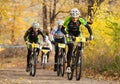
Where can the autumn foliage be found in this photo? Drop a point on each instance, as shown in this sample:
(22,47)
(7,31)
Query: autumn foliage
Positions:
(102,54)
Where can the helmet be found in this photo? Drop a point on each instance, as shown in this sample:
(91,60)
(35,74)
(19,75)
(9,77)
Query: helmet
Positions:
(75,12)
(60,22)
(36,25)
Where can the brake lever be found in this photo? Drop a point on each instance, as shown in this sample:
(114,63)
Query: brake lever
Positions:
(87,38)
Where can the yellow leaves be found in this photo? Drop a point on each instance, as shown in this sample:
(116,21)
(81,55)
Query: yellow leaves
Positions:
(3,11)
(29,14)
(13,17)
(20,20)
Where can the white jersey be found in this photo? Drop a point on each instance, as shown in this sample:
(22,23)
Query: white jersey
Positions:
(46,43)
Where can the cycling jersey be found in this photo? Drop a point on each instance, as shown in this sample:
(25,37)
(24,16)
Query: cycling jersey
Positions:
(46,43)
(58,32)
(32,36)
(73,28)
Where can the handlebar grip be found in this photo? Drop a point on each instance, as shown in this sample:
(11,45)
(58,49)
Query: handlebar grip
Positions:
(87,38)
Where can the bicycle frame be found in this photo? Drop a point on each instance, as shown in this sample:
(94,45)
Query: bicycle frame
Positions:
(76,57)
(61,46)
(34,47)
(61,59)
(33,58)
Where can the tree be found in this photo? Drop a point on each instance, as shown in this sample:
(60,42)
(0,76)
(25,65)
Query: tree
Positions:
(92,8)
(45,19)
(76,1)
(55,8)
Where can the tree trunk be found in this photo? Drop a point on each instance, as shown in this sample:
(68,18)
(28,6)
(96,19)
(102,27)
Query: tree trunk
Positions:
(76,1)
(92,11)
(54,11)
(13,26)
(53,14)
(45,23)
(50,13)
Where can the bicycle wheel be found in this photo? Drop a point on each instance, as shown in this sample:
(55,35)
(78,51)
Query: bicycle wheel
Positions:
(33,65)
(70,75)
(79,61)
(58,66)
(58,63)
(62,63)
(44,61)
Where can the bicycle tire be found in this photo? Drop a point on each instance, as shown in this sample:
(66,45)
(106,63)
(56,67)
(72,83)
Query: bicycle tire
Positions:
(70,75)
(58,62)
(44,65)
(44,62)
(79,62)
(33,65)
(62,63)
(58,66)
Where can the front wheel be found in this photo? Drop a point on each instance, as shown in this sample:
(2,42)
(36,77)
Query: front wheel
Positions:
(62,64)
(70,75)
(33,66)
(79,62)
(44,61)
(58,66)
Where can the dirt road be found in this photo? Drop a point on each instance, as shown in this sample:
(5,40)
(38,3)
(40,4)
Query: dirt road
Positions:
(43,76)
(14,73)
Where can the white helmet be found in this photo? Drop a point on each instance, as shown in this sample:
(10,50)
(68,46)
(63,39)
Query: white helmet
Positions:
(60,22)
(36,25)
(75,12)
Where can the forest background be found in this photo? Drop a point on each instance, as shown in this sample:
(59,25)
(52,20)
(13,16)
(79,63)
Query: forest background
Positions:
(102,55)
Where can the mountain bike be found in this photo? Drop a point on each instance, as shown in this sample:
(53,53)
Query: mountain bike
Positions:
(33,58)
(44,59)
(61,59)
(77,56)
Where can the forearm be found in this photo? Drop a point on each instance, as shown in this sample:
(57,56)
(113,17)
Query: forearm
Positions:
(25,36)
(89,29)
(63,30)
(41,34)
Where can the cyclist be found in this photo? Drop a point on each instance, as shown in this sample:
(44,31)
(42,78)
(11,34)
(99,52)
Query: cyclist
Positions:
(71,26)
(46,45)
(58,38)
(32,35)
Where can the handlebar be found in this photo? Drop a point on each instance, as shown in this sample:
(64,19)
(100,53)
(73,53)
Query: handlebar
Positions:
(73,39)
(34,45)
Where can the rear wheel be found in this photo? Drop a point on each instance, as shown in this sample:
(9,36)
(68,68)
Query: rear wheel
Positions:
(79,62)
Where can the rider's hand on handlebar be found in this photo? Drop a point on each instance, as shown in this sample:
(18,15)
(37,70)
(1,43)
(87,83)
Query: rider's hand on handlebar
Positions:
(26,42)
(66,35)
(91,37)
